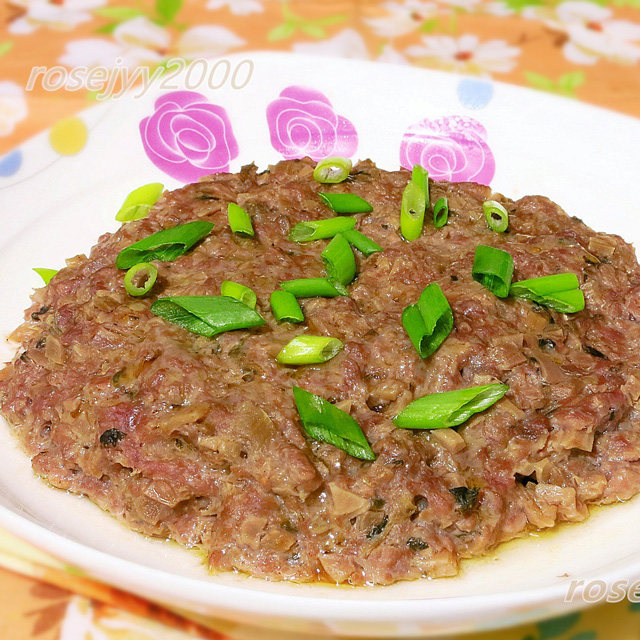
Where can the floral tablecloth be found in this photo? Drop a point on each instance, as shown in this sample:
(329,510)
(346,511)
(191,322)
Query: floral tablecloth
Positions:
(584,49)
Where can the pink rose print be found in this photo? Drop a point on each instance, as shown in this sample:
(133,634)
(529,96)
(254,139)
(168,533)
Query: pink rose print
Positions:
(187,137)
(302,122)
(451,148)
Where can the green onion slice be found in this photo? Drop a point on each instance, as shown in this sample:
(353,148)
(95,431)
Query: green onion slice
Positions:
(546,284)
(560,292)
(46,274)
(570,301)
(346,202)
(493,268)
(440,213)
(420,177)
(239,220)
(412,211)
(449,408)
(239,292)
(430,321)
(207,315)
(314,288)
(285,307)
(496,215)
(309,350)
(415,202)
(322,421)
(139,202)
(332,170)
(362,243)
(320,229)
(166,245)
(140,278)
(339,261)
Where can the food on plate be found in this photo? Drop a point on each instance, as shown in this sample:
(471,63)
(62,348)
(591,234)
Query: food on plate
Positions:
(336,373)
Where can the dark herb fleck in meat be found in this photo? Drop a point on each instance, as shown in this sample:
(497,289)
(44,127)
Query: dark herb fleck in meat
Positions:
(592,351)
(36,314)
(416,544)
(525,480)
(287,525)
(111,437)
(465,497)
(377,529)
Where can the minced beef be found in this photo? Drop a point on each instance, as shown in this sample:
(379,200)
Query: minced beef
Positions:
(199,439)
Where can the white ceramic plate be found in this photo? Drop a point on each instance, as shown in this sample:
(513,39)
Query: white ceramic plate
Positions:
(54,206)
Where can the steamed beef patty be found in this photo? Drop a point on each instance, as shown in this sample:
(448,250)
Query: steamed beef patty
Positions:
(199,439)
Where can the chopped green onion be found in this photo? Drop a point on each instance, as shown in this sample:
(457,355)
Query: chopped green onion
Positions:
(493,268)
(429,322)
(239,292)
(314,288)
(496,215)
(412,211)
(560,292)
(140,278)
(285,307)
(361,242)
(346,202)
(320,229)
(420,177)
(46,274)
(207,315)
(323,421)
(414,325)
(449,408)
(440,213)
(339,261)
(570,301)
(239,220)
(166,245)
(309,350)
(546,284)
(139,202)
(415,202)
(332,170)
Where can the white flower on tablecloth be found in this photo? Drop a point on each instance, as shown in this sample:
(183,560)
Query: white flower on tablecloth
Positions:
(466,54)
(94,52)
(463,5)
(84,620)
(140,32)
(140,42)
(207,41)
(237,7)
(402,17)
(136,42)
(392,55)
(13,106)
(497,8)
(346,44)
(54,14)
(592,32)
(78,621)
